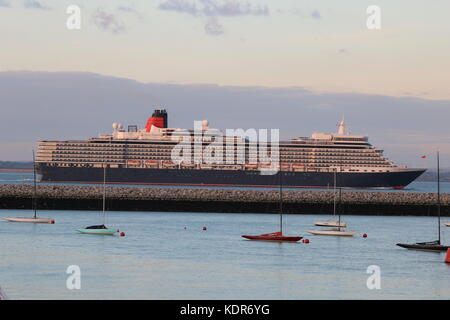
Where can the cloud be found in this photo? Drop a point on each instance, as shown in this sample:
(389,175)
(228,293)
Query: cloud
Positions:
(214,7)
(316,15)
(108,22)
(211,9)
(213,27)
(181,6)
(34,4)
(129,10)
(343,51)
(232,8)
(5,4)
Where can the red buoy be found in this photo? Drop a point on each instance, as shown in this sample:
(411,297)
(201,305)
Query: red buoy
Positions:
(447,257)
(52,221)
(122,234)
(204,228)
(365,235)
(306,240)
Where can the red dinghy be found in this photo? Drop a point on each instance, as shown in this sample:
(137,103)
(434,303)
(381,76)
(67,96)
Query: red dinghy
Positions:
(275,236)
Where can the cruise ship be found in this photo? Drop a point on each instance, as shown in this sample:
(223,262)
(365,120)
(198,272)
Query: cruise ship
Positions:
(159,155)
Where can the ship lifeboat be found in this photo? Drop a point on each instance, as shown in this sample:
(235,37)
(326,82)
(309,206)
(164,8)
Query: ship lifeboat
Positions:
(265,165)
(151,163)
(251,165)
(284,166)
(298,166)
(168,164)
(187,165)
(134,163)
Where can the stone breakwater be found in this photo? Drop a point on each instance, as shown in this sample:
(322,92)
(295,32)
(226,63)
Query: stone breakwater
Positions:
(220,200)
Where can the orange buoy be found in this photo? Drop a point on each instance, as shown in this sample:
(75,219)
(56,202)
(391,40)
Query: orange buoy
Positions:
(447,257)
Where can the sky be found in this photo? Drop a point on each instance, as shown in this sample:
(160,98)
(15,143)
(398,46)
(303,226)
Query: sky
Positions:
(319,58)
(322,45)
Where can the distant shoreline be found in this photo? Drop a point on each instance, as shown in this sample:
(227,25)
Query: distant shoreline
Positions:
(16,170)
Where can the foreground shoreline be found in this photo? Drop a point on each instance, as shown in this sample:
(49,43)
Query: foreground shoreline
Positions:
(58,197)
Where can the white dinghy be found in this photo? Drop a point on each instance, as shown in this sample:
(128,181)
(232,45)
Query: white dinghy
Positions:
(332,232)
(332,222)
(33,219)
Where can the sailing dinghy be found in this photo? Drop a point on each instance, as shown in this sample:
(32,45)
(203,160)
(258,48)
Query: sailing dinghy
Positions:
(33,219)
(29,219)
(332,232)
(100,229)
(335,231)
(332,222)
(436,245)
(276,236)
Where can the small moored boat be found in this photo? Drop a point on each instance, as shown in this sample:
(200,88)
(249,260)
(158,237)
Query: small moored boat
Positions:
(333,222)
(436,245)
(29,219)
(275,236)
(425,246)
(101,229)
(332,232)
(35,218)
(330,223)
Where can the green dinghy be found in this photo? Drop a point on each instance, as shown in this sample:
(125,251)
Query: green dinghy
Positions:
(102,230)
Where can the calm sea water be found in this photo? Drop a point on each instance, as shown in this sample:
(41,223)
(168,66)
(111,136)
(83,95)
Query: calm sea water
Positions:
(169,256)
(416,186)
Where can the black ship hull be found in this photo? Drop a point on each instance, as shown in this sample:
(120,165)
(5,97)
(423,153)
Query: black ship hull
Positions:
(396,179)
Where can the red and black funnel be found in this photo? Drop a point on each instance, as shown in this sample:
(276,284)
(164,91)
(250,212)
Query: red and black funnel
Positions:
(158,119)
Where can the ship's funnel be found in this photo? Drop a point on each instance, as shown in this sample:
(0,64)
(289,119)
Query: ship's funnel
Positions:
(158,119)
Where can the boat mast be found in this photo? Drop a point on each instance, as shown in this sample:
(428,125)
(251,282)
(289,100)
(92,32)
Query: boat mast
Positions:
(104,193)
(281,202)
(438,199)
(334,199)
(35,187)
(339,216)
